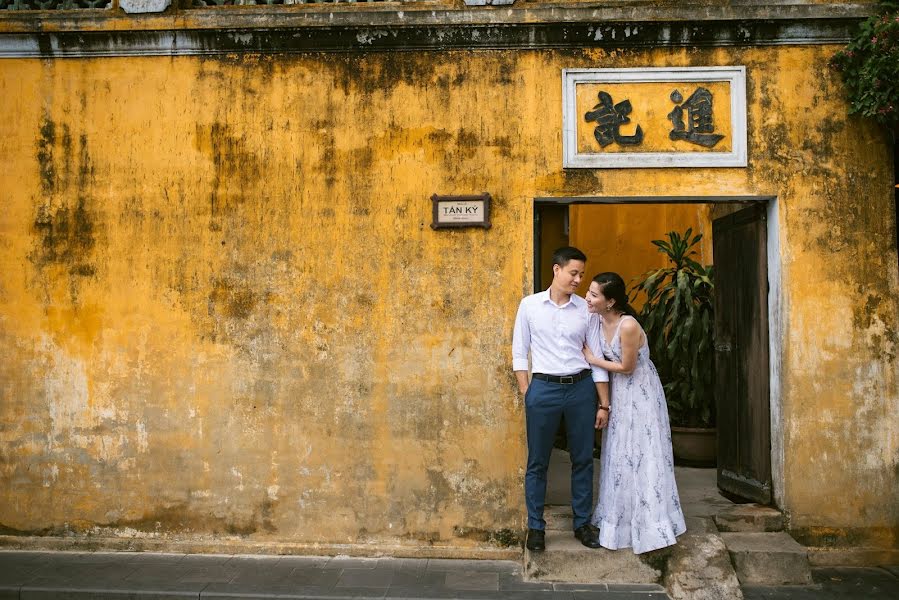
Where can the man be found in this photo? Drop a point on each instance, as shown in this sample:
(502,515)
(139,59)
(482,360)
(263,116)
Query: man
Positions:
(553,326)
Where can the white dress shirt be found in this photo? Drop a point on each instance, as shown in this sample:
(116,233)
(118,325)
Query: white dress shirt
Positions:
(555,336)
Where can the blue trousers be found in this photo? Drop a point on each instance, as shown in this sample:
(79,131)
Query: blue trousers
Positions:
(545,403)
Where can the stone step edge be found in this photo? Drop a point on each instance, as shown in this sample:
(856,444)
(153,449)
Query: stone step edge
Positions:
(768,558)
(188,546)
(545,566)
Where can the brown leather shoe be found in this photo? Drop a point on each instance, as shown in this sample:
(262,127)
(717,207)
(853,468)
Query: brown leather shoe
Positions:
(536,540)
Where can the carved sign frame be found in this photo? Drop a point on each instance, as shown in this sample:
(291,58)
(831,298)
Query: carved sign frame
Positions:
(572,159)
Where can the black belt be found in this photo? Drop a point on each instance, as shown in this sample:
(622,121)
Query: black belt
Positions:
(565,379)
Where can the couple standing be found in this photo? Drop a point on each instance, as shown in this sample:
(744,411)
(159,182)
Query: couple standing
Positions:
(574,345)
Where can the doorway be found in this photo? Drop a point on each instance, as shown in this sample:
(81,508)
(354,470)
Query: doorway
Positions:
(620,229)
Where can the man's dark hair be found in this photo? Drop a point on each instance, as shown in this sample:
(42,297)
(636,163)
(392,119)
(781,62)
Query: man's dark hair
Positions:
(563,255)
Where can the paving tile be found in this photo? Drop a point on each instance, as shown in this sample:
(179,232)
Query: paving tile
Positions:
(159,590)
(104,594)
(205,560)
(243,561)
(63,557)
(144,559)
(74,576)
(9,557)
(620,595)
(853,576)
(472,580)
(514,582)
(339,562)
(155,587)
(258,590)
(451,564)
(316,562)
(106,557)
(513,595)
(14,575)
(408,579)
(155,572)
(350,592)
(422,593)
(786,593)
(246,573)
(365,578)
(634,587)
(214,574)
(532,595)
(414,565)
(87,570)
(91,558)
(323,578)
(580,587)
(857,582)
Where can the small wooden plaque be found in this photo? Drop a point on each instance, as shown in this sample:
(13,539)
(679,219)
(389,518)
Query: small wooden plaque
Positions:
(461,211)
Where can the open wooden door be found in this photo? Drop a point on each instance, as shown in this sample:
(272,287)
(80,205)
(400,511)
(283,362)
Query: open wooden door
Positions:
(741,354)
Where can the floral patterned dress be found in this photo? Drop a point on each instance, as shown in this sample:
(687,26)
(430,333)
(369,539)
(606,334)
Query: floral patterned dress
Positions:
(638,504)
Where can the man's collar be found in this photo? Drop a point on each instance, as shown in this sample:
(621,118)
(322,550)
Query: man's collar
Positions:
(573,300)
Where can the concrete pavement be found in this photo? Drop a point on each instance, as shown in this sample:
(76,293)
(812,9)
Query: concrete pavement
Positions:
(115,576)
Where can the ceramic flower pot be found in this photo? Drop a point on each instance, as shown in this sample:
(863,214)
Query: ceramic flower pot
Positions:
(694,446)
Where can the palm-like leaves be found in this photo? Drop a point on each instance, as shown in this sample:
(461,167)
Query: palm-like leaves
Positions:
(678,318)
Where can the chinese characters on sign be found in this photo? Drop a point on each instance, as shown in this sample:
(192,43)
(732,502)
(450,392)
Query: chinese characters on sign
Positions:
(609,118)
(697,128)
(654,117)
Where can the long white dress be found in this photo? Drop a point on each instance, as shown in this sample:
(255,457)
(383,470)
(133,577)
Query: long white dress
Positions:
(638,504)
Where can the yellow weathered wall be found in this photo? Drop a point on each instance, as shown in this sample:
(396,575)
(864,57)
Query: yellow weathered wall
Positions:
(618,237)
(223,311)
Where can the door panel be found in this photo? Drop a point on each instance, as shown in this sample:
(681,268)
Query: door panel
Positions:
(741,354)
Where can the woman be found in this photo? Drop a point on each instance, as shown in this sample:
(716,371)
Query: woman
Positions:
(638,503)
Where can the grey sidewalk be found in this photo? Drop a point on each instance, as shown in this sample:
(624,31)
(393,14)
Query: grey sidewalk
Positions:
(836,583)
(71,575)
(103,575)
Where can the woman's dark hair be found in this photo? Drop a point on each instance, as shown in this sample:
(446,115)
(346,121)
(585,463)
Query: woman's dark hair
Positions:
(612,287)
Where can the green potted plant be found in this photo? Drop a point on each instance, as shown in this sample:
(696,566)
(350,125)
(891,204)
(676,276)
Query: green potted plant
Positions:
(678,317)
(869,66)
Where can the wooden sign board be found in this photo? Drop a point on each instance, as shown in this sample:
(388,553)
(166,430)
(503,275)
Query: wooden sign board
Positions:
(461,211)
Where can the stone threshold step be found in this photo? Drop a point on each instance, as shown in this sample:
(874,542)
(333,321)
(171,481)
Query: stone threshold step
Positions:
(768,558)
(566,559)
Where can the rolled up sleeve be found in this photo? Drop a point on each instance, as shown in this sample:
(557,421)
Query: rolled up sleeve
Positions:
(521,340)
(599,375)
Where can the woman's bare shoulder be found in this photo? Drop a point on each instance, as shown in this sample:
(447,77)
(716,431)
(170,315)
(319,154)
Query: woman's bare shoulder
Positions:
(630,325)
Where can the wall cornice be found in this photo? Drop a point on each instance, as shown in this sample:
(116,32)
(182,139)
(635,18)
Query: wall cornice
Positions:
(307,28)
